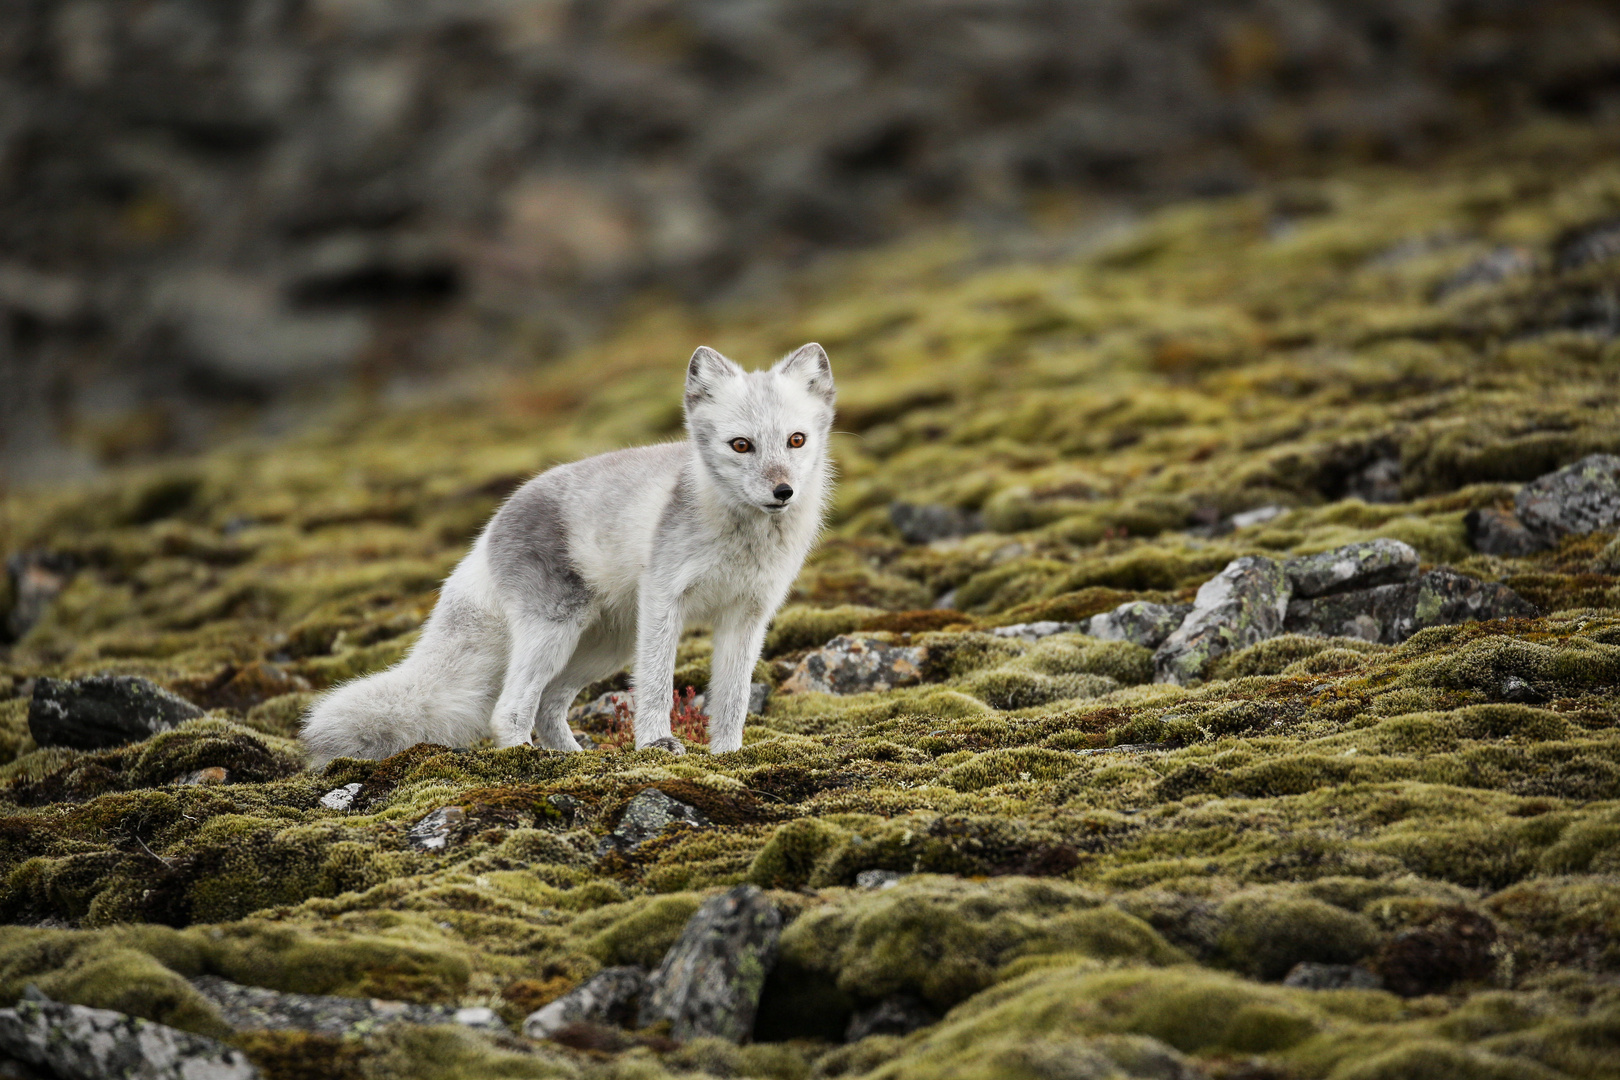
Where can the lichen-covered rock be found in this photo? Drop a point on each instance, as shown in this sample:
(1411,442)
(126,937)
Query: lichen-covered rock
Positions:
(922,524)
(1497,532)
(1140,622)
(1307,975)
(254,1008)
(434,831)
(1392,613)
(1577,499)
(711,978)
(1035,631)
(102,710)
(648,815)
(76,1043)
(1241,605)
(611,996)
(897,1014)
(856,665)
(1354,566)
(340,798)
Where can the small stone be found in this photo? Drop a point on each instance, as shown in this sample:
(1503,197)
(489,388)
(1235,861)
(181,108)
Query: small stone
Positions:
(1035,631)
(77,1043)
(878,879)
(759,694)
(1591,244)
(711,978)
(203,777)
(583,740)
(1240,606)
(37,577)
(603,710)
(1519,692)
(856,665)
(1139,621)
(1496,266)
(1354,566)
(922,524)
(433,832)
(1378,482)
(102,710)
(897,1014)
(611,996)
(1258,516)
(480,1017)
(1576,500)
(648,815)
(669,744)
(340,798)
(567,807)
(1310,976)
(1498,532)
(1392,613)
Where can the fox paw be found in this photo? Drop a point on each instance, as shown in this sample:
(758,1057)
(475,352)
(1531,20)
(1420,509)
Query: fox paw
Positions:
(668,743)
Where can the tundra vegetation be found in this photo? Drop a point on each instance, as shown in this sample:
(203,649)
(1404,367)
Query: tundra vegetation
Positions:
(1089,873)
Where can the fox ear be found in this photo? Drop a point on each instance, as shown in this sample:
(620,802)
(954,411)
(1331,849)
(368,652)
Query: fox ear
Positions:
(809,364)
(704,371)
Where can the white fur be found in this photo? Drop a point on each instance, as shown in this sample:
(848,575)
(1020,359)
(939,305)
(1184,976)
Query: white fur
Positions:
(594,562)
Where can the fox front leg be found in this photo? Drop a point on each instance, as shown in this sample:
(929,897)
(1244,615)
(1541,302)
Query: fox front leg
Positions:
(738,638)
(658,633)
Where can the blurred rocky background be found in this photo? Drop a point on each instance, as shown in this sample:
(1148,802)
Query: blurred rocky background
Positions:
(214,213)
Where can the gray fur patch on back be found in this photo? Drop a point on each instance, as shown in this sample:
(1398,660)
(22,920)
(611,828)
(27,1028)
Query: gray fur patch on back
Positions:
(528,554)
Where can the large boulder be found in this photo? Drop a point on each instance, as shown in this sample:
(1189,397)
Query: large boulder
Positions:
(1577,499)
(856,665)
(1393,613)
(1238,607)
(711,978)
(610,996)
(1354,566)
(1140,622)
(102,710)
(76,1043)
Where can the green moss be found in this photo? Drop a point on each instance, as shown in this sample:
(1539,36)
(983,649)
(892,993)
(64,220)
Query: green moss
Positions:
(1267,935)
(642,934)
(1292,653)
(788,860)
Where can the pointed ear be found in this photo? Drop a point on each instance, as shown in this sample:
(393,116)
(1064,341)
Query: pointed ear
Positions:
(809,364)
(706,370)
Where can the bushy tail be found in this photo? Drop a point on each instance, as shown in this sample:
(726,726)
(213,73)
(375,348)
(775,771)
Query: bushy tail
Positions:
(441,692)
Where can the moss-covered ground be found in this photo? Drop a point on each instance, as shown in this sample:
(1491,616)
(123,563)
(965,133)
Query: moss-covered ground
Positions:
(1095,397)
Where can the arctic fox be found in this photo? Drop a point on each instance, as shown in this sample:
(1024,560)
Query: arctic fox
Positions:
(590,563)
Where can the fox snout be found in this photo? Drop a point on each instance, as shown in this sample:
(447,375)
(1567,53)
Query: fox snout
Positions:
(782,492)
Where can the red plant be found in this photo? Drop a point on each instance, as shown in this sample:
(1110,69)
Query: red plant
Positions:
(686,720)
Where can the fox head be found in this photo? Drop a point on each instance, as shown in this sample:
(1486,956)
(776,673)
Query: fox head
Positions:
(761,436)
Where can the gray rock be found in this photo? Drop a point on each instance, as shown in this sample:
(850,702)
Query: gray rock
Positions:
(921,524)
(340,798)
(1354,566)
(206,777)
(759,695)
(878,879)
(102,710)
(1496,266)
(1377,482)
(1035,631)
(1393,613)
(36,579)
(1592,244)
(648,815)
(603,710)
(1310,976)
(1138,621)
(1497,532)
(897,1014)
(1519,692)
(711,978)
(611,996)
(1577,499)
(253,1008)
(1238,607)
(856,665)
(76,1043)
(433,832)
(1258,516)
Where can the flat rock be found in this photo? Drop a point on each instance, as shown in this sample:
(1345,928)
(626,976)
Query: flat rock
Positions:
(1354,566)
(857,665)
(879,879)
(99,711)
(1393,613)
(1035,631)
(1238,607)
(1497,532)
(1577,499)
(1310,976)
(253,1008)
(434,831)
(647,816)
(711,978)
(611,996)
(76,1043)
(1140,622)
(340,798)
(897,1014)
(920,524)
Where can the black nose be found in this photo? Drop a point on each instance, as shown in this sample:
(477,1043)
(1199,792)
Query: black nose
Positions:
(783,493)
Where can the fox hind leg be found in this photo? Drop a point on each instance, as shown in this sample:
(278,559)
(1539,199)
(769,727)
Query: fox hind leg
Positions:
(541,649)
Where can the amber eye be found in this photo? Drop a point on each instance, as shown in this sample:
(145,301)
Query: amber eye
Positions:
(796,439)
(742,446)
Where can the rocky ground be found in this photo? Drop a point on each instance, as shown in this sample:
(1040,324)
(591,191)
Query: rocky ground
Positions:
(1212,670)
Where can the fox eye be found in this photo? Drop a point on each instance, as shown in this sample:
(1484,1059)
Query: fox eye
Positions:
(742,446)
(796,439)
